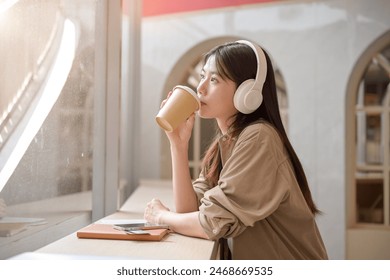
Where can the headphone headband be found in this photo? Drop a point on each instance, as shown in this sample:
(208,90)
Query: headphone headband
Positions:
(248,96)
(261,72)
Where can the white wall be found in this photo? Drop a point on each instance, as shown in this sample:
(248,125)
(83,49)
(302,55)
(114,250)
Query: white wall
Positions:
(315,44)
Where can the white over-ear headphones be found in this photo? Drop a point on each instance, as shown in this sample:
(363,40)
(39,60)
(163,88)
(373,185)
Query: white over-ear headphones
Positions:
(248,96)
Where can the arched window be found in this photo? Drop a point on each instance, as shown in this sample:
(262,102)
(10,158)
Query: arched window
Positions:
(368,154)
(372,141)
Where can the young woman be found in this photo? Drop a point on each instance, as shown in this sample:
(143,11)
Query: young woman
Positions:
(252,193)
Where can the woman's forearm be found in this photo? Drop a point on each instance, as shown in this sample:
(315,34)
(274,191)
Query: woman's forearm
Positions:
(183,192)
(184,223)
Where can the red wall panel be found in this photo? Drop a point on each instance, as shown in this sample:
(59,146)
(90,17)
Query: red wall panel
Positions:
(161,7)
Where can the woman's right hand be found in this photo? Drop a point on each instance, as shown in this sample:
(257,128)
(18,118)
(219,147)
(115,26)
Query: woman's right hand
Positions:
(182,134)
(183,192)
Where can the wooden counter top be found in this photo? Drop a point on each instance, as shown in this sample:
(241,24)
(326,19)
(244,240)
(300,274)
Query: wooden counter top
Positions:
(173,246)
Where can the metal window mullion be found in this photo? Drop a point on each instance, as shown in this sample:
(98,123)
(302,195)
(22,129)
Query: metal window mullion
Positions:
(386,159)
(113,105)
(131,93)
(99,117)
(106,108)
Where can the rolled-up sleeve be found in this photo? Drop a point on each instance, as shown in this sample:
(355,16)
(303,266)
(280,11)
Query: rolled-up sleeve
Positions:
(201,186)
(249,188)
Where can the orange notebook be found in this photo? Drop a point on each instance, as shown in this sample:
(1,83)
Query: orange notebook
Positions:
(106,231)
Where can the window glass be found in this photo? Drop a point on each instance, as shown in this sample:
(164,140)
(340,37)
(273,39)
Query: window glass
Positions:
(47,53)
(369,200)
(374,153)
(376,79)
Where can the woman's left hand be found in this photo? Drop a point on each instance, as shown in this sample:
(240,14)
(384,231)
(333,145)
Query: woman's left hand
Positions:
(154,211)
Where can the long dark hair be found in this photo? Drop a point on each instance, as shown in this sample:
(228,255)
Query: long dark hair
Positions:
(237,62)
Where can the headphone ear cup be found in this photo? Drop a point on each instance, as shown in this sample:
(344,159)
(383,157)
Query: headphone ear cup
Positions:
(247,100)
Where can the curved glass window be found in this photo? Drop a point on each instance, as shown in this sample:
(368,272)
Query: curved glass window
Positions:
(46,99)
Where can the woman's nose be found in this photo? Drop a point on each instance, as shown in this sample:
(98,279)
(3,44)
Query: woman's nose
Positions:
(201,89)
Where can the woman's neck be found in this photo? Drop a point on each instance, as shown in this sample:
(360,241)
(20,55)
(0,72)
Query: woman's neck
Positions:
(224,124)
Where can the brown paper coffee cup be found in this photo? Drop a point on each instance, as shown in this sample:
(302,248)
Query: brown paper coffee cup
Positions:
(179,106)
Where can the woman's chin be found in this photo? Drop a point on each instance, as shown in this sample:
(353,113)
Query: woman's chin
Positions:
(203,114)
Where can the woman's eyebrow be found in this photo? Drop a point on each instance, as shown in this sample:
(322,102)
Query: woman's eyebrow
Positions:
(211,72)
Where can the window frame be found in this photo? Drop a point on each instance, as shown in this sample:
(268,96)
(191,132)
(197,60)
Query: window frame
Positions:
(105,181)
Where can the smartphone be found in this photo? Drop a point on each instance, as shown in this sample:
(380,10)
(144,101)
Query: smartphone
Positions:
(139,226)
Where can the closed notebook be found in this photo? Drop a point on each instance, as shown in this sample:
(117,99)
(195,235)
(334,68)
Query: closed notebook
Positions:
(106,231)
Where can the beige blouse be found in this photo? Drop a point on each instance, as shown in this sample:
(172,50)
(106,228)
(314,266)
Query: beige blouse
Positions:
(257,204)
